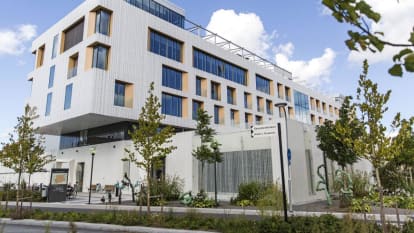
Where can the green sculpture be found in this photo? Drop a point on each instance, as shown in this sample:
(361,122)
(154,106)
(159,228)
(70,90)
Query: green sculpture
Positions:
(186,198)
(346,191)
(323,181)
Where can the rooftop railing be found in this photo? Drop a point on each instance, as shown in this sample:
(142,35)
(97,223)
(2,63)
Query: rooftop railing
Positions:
(234,48)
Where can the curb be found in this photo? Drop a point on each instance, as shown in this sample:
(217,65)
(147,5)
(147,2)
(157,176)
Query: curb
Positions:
(93,226)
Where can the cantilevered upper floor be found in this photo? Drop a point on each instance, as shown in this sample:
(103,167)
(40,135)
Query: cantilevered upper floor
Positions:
(93,69)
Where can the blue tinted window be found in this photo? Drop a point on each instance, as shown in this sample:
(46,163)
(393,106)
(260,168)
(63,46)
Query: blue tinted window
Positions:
(55,45)
(198,86)
(165,46)
(171,105)
(68,96)
(48,104)
(219,67)
(100,57)
(51,76)
(262,84)
(301,107)
(230,94)
(196,105)
(119,99)
(215,89)
(159,10)
(216,115)
(172,78)
(102,23)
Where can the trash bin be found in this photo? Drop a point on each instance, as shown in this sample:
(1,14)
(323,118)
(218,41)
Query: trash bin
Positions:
(43,189)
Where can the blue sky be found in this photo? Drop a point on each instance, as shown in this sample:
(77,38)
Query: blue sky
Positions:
(297,33)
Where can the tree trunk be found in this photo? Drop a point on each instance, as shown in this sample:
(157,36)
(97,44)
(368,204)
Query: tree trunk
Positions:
(381,197)
(31,192)
(18,191)
(201,188)
(148,190)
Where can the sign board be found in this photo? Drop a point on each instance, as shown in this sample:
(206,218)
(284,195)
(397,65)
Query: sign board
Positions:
(58,185)
(263,130)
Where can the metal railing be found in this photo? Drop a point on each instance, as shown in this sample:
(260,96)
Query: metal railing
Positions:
(226,44)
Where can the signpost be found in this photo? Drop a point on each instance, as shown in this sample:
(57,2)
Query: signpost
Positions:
(58,185)
(258,131)
(269,130)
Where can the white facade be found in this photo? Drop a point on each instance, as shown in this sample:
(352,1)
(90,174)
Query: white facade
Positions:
(131,61)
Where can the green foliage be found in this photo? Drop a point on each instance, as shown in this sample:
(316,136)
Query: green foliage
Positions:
(361,185)
(10,195)
(271,201)
(151,140)
(194,221)
(359,14)
(251,191)
(164,190)
(202,201)
(209,149)
(25,154)
(359,205)
(336,138)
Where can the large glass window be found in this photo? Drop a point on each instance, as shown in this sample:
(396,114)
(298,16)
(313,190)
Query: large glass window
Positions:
(219,67)
(48,104)
(55,45)
(159,10)
(171,105)
(172,78)
(100,57)
(263,84)
(73,35)
(102,23)
(68,96)
(119,99)
(51,76)
(165,46)
(302,112)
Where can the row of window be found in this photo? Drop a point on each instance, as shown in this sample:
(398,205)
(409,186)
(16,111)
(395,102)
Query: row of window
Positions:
(68,100)
(73,35)
(165,46)
(159,10)
(219,67)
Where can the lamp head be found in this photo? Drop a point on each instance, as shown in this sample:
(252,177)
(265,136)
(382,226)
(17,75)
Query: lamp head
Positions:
(281,104)
(92,150)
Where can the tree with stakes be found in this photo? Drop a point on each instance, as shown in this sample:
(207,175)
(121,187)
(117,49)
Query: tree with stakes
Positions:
(151,140)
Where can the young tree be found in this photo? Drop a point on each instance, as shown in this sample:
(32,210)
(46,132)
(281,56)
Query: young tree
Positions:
(26,153)
(209,149)
(151,140)
(359,14)
(336,138)
(374,145)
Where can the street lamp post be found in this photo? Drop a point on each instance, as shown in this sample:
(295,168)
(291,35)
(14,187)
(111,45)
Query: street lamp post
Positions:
(283,105)
(93,152)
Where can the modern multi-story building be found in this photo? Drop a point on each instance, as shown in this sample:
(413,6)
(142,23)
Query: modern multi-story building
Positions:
(93,69)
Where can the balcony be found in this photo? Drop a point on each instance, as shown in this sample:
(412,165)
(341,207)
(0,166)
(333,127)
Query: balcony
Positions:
(72,72)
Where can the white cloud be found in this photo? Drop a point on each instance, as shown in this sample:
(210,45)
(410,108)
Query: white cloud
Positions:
(247,30)
(397,21)
(12,41)
(244,29)
(311,73)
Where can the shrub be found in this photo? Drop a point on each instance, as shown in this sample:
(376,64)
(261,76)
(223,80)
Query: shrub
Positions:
(252,191)
(163,190)
(272,200)
(202,201)
(10,195)
(360,184)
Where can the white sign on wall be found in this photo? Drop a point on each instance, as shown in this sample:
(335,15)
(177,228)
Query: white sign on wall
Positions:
(263,130)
